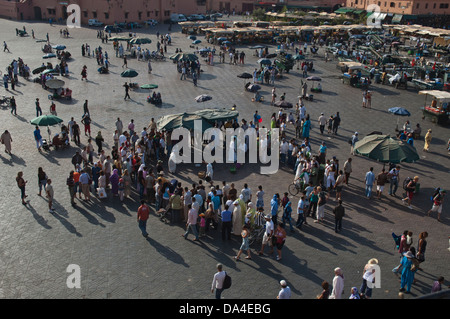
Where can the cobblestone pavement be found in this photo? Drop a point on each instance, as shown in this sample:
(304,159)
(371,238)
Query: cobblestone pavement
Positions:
(102,237)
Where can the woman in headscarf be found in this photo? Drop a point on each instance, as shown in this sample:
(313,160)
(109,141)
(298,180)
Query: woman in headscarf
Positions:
(354,294)
(407,277)
(114,180)
(428,137)
(306,127)
(6,140)
(127,183)
(237,218)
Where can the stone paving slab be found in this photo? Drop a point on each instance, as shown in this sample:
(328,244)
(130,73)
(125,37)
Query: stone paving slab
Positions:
(103,238)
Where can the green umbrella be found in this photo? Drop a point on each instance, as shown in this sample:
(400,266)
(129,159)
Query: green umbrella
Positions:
(149,86)
(46,120)
(129,74)
(120,39)
(385,149)
(184,57)
(140,41)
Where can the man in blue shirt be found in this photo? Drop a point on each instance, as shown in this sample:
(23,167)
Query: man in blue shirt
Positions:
(274,208)
(370,180)
(38,138)
(226,223)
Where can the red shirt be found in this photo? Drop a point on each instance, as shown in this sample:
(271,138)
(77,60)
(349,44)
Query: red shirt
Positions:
(143,212)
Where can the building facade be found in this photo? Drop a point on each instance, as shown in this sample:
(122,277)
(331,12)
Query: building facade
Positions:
(111,11)
(404,7)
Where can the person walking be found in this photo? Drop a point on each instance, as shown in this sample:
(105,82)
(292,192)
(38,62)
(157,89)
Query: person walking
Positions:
(353,142)
(226,216)
(183,72)
(280,235)
(381,181)
(218,280)
(6,140)
(50,193)
(407,276)
(191,224)
(285,291)
(21,183)
(125,63)
(42,180)
(338,284)
(127,89)
(5,47)
(322,122)
(84,184)
(410,190)
(267,237)
(438,200)
(13,105)
(70,182)
(422,246)
(38,108)
(245,244)
(368,276)
(339,213)
(428,137)
(394,176)
(142,217)
(86,121)
(336,123)
(370,180)
(38,138)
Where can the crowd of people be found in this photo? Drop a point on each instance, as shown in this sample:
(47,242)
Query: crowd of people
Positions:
(136,164)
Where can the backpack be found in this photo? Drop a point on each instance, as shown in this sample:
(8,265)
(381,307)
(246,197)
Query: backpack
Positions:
(436,191)
(226,282)
(406,182)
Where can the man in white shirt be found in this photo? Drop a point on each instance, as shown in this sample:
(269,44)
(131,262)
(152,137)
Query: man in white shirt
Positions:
(285,291)
(246,193)
(284,149)
(301,209)
(119,125)
(217,282)
(322,122)
(267,238)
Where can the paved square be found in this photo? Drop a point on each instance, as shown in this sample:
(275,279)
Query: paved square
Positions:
(103,237)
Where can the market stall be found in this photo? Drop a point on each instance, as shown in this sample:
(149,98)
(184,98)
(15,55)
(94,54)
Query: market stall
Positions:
(438,109)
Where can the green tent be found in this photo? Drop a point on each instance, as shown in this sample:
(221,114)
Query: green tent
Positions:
(385,149)
(187,120)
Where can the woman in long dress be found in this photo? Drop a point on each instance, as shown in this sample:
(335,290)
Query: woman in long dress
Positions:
(237,218)
(6,140)
(306,127)
(114,180)
(427,141)
(127,183)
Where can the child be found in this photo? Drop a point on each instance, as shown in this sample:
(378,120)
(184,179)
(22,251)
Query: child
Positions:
(202,225)
(121,189)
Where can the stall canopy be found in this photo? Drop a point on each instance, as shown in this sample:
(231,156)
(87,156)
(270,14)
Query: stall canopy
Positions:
(208,117)
(397,18)
(436,93)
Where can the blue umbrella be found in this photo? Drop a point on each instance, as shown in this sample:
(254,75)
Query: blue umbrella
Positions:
(399,111)
(221,39)
(59,47)
(196,42)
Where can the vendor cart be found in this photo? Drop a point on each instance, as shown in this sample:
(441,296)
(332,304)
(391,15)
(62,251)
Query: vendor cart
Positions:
(438,109)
